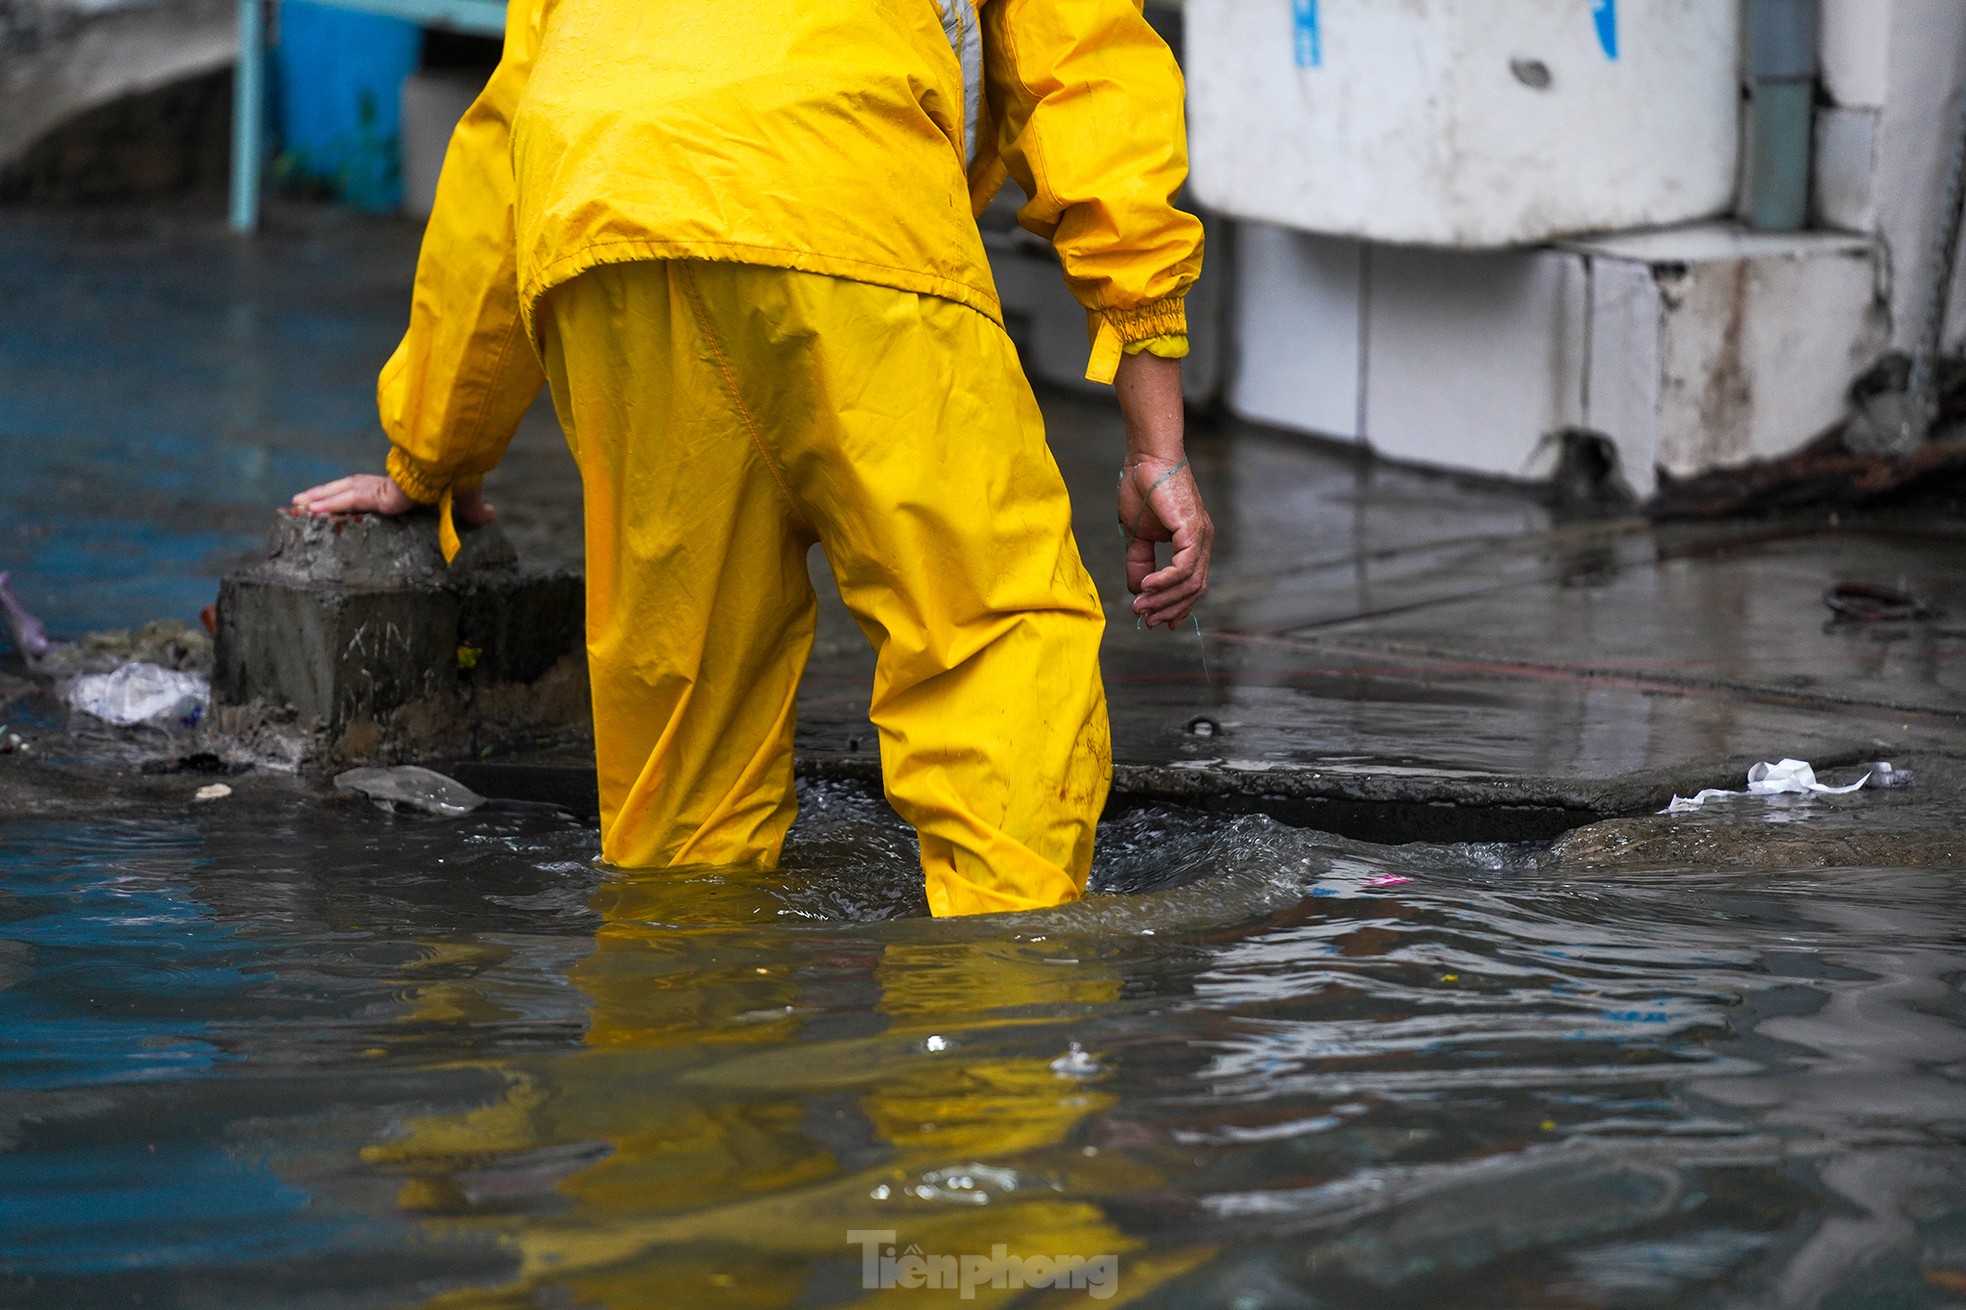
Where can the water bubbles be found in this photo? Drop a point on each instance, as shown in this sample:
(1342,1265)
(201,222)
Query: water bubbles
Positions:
(969,1184)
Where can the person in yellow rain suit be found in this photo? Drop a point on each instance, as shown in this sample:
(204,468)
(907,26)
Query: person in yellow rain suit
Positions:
(738,239)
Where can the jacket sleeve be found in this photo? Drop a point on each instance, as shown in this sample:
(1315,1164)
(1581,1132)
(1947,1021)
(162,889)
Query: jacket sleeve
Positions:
(454,391)
(1088,106)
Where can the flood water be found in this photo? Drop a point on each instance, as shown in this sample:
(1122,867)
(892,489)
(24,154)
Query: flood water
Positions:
(278,1052)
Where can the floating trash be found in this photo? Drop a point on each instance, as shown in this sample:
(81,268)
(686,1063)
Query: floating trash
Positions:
(1866,602)
(142,693)
(413,787)
(1076,1063)
(217,791)
(29,635)
(1885,774)
(1783,778)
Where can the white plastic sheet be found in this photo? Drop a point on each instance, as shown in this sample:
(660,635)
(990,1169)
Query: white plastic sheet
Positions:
(1783,778)
(141,693)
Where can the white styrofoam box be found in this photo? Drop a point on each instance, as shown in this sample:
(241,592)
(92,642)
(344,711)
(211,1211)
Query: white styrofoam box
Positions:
(1691,348)
(1844,194)
(1856,51)
(1715,346)
(1295,322)
(433,102)
(1464,123)
(1472,359)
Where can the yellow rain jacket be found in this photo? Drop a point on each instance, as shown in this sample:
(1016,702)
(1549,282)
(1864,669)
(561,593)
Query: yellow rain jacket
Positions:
(854,138)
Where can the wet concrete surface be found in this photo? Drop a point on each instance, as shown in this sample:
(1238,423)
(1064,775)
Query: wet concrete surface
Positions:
(1386,652)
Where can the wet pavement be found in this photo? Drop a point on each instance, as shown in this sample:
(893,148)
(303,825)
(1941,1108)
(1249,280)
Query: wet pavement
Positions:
(1379,644)
(283,1049)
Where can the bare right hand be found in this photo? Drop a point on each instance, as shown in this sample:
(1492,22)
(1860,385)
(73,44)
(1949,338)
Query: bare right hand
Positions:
(1171,511)
(1159,500)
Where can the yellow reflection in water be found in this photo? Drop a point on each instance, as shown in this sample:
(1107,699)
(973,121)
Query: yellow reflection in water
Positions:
(738,1108)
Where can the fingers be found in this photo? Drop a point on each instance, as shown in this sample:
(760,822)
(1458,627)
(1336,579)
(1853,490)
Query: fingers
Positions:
(339,489)
(1170,595)
(345,500)
(1140,564)
(359,493)
(1187,572)
(1167,596)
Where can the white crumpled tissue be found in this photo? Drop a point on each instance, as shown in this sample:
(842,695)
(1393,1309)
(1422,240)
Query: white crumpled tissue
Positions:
(1783,778)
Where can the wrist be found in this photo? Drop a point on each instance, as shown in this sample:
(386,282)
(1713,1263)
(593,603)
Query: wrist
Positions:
(415,482)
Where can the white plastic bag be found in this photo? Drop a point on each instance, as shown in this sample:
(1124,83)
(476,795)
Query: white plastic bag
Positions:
(1783,778)
(142,693)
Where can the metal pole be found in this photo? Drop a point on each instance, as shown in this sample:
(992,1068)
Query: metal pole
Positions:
(248,116)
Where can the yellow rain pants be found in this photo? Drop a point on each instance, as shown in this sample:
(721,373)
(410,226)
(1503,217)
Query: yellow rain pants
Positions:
(725,417)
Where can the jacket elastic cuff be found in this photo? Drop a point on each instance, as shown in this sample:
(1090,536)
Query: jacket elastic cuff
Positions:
(1161,318)
(1115,330)
(420,486)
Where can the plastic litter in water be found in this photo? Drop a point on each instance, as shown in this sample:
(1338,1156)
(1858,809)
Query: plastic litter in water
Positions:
(29,635)
(408,785)
(217,791)
(1866,602)
(1883,773)
(1783,778)
(1076,1063)
(142,693)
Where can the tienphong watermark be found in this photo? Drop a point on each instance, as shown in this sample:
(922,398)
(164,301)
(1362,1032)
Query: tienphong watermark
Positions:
(884,1265)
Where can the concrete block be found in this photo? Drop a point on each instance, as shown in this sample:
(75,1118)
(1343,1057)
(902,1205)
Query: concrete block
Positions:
(1715,346)
(1473,359)
(1296,321)
(353,643)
